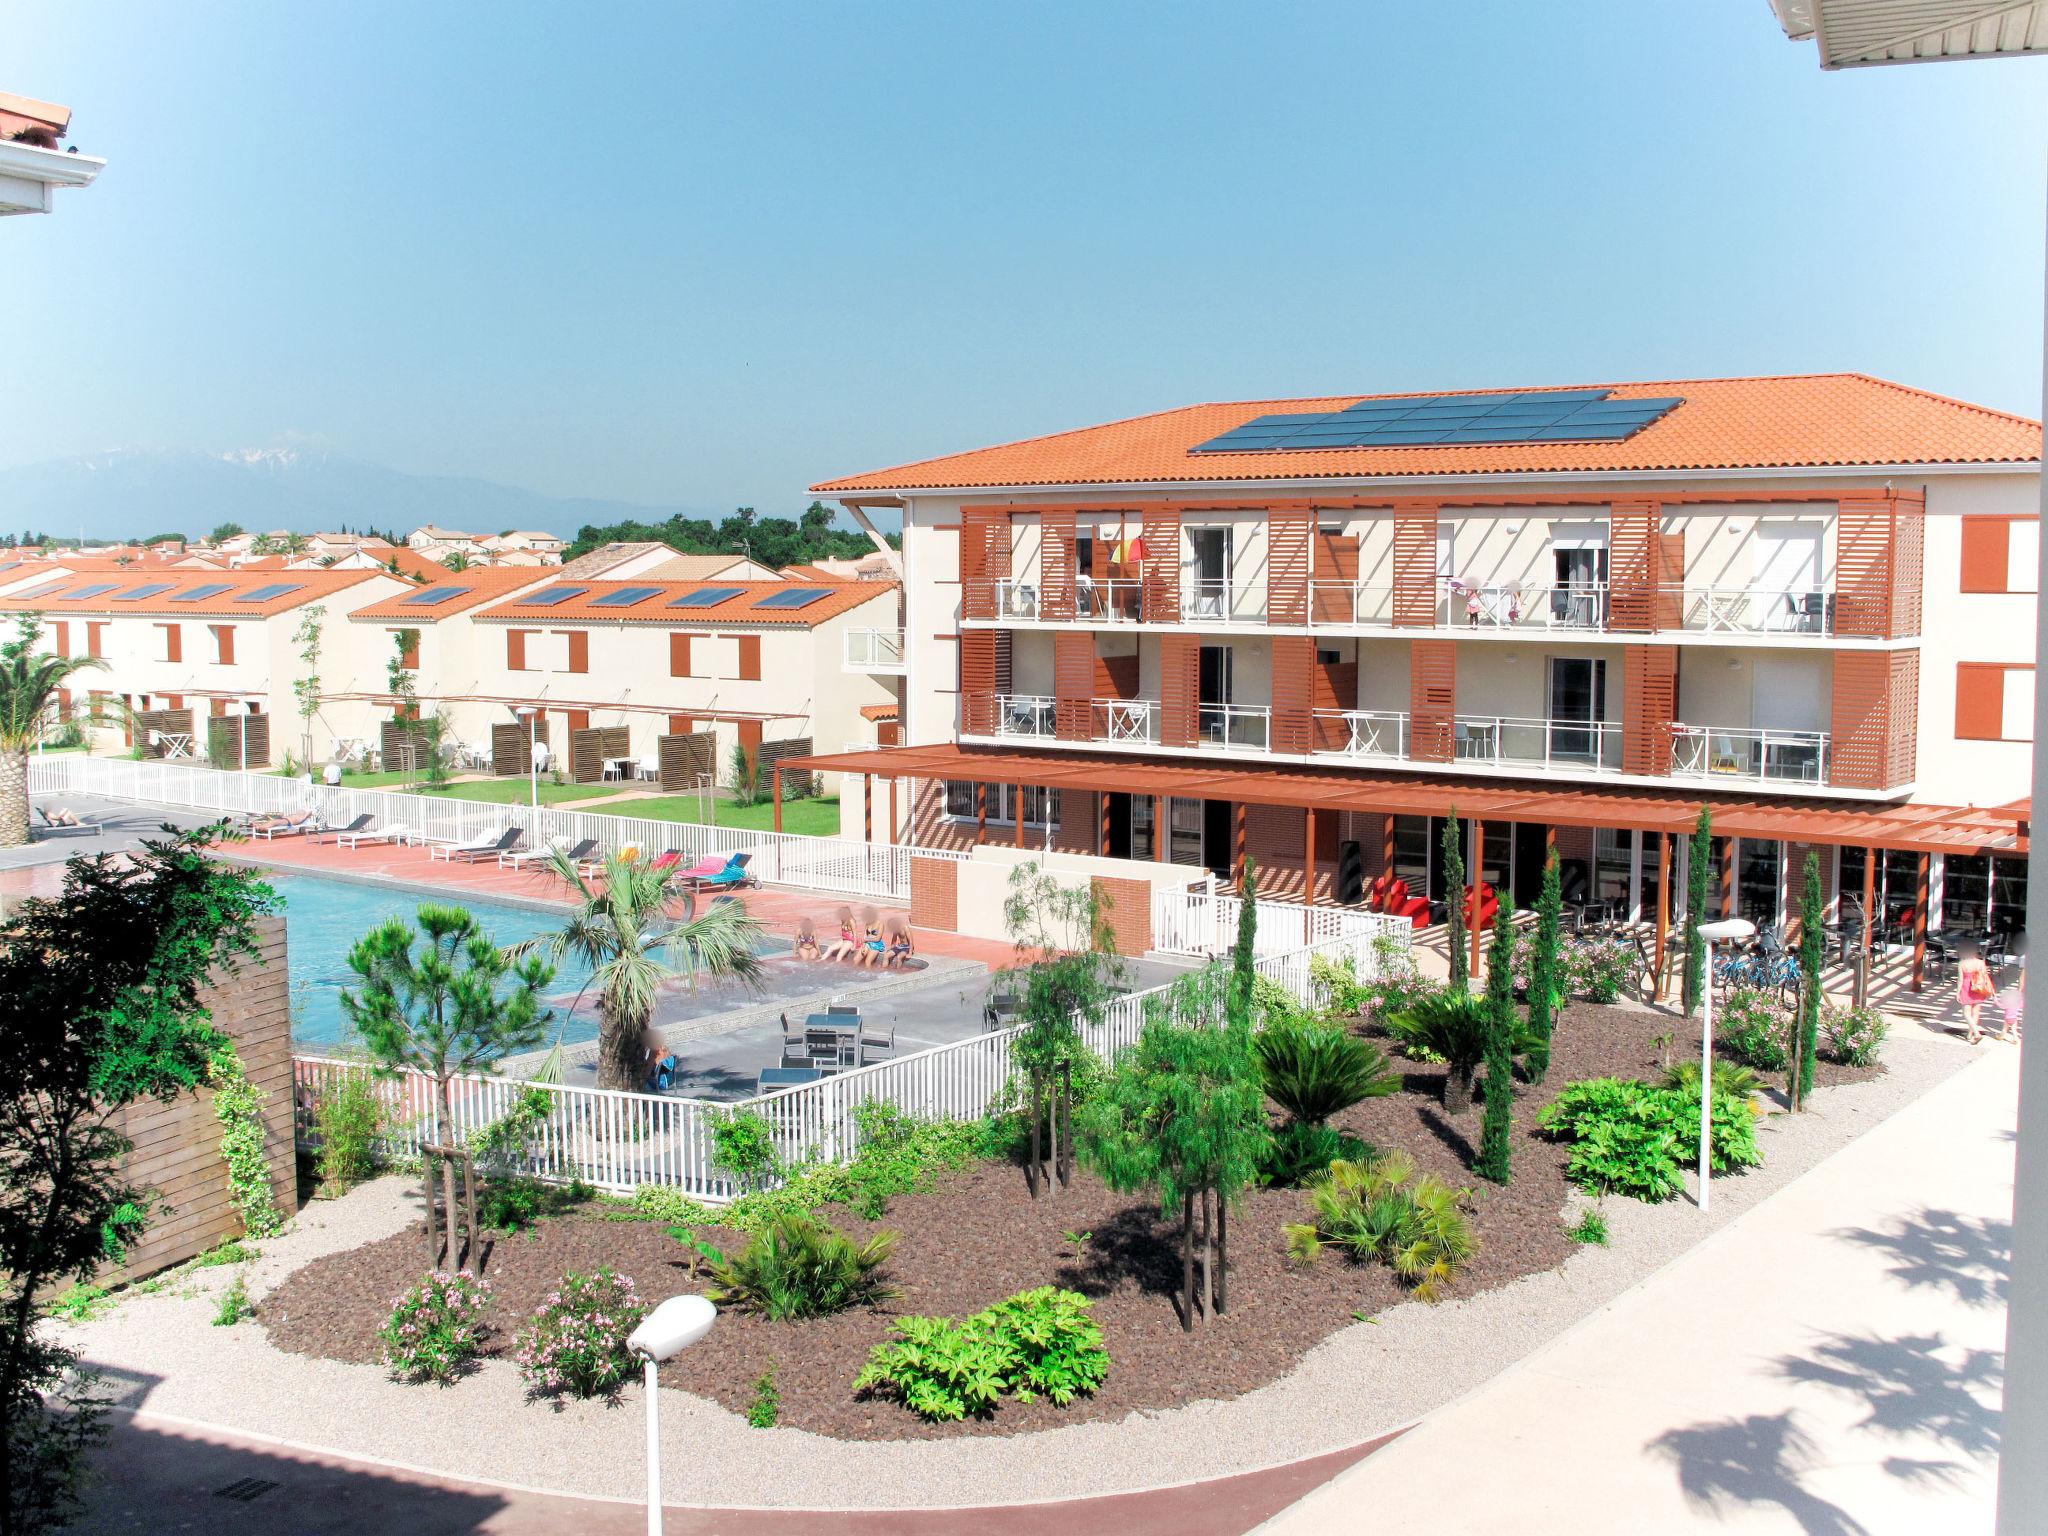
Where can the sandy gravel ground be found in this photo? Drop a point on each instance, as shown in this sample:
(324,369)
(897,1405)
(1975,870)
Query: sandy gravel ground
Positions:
(166,1358)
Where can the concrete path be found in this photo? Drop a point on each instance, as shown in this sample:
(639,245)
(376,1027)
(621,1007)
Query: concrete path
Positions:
(1830,1363)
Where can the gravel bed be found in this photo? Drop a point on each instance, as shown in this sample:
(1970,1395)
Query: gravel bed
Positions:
(1346,1382)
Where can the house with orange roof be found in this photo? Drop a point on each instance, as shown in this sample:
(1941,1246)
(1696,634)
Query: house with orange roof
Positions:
(1307,631)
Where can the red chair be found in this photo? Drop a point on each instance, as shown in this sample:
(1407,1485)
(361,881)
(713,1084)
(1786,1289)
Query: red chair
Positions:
(1400,904)
(1489,906)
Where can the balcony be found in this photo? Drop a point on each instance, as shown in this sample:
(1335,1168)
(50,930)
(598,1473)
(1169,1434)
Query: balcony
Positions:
(1746,611)
(1361,735)
(1096,601)
(1349,605)
(1234,727)
(1522,606)
(875,650)
(1026,717)
(1749,756)
(1505,741)
(1125,722)
(1221,602)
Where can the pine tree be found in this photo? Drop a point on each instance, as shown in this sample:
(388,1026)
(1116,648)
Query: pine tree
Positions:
(1702,863)
(1543,968)
(1454,902)
(1496,1130)
(1807,1020)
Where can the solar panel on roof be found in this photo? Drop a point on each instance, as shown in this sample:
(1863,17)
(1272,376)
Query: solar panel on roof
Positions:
(265,594)
(48,588)
(553,595)
(625,597)
(706,597)
(792,597)
(196,594)
(94,589)
(433,596)
(137,594)
(1422,421)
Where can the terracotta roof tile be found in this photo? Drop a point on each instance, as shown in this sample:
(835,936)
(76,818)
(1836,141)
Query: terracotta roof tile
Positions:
(306,587)
(1816,420)
(479,584)
(740,609)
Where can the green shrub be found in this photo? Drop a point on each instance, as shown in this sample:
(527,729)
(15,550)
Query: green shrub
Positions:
(81,1302)
(1452,1028)
(1313,1071)
(230,1252)
(1344,995)
(504,1142)
(766,1407)
(1299,1153)
(576,1341)
(1040,1343)
(743,1145)
(1596,969)
(516,1204)
(1591,1229)
(1755,1028)
(350,1117)
(436,1328)
(1379,1208)
(1853,1035)
(800,1267)
(1737,1081)
(1629,1138)
(234,1304)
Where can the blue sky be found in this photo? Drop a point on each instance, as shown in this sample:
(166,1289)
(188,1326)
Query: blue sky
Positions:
(709,255)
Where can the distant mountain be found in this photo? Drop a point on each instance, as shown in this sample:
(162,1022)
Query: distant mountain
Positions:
(132,493)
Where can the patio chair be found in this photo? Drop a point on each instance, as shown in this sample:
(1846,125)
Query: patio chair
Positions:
(879,1039)
(650,766)
(57,823)
(497,840)
(397,832)
(843,1010)
(360,824)
(829,1050)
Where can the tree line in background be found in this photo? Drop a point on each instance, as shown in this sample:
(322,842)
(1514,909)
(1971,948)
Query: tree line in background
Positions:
(773,541)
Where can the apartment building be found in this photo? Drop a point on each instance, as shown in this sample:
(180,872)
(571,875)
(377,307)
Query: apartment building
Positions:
(1304,631)
(752,662)
(203,644)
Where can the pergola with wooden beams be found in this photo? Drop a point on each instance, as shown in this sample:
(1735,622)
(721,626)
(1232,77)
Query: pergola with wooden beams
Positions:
(1666,813)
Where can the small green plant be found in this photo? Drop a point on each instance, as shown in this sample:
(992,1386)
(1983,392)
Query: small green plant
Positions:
(437,1327)
(1596,969)
(1379,1208)
(1661,1044)
(743,1145)
(234,1304)
(350,1117)
(1453,1027)
(238,1106)
(1730,1077)
(229,1252)
(1627,1137)
(1299,1154)
(576,1341)
(1755,1028)
(1040,1343)
(517,1204)
(1313,1071)
(1077,1240)
(503,1144)
(1591,1230)
(1854,1035)
(800,1267)
(81,1303)
(766,1407)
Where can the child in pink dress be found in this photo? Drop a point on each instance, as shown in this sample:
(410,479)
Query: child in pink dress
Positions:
(1974,988)
(2010,1004)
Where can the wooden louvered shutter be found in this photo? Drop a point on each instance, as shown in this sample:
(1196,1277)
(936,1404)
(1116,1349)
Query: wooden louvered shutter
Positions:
(1670,606)
(1902,736)
(1633,564)
(1180,686)
(174,642)
(1162,565)
(1288,531)
(1875,718)
(515,650)
(1056,563)
(978,681)
(1294,661)
(750,659)
(678,655)
(1073,680)
(1432,700)
(62,631)
(1909,552)
(579,650)
(1986,554)
(1336,690)
(1863,567)
(1415,572)
(1334,568)
(984,559)
(1651,678)
(1116,677)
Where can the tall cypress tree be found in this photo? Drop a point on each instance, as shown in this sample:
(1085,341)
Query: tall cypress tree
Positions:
(1498,1126)
(1543,969)
(1807,1045)
(1702,864)
(1454,902)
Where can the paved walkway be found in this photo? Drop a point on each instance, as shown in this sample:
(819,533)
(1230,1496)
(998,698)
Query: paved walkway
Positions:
(1829,1363)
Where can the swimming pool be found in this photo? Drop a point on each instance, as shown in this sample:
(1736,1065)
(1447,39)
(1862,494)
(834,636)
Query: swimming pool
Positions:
(325,919)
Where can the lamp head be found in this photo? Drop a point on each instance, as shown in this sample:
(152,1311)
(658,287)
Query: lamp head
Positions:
(1728,928)
(672,1327)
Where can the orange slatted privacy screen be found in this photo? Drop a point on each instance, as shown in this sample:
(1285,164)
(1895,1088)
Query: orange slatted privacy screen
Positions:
(1415,571)
(1651,681)
(1288,530)
(1180,682)
(1056,562)
(1162,565)
(1073,675)
(1633,564)
(1432,699)
(1294,661)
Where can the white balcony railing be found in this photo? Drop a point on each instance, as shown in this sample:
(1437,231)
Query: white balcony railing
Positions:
(1509,742)
(1109,600)
(1362,735)
(874,650)
(1762,757)
(1220,602)
(1750,610)
(1349,604)
(1127,721)
(1522,605)
(1026,716)
(1016,599)
(1235,727)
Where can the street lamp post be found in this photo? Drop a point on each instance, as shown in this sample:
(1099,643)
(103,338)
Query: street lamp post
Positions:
(664,1333)
(1713,933)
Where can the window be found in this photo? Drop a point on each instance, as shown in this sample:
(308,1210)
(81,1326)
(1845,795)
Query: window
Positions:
(173,642)
(2001,554)
(679,656)
(62,633)
(515,650)
(95,638)
(749,659)
(579,649)
(223,644)
(1994,701)
(1002,803)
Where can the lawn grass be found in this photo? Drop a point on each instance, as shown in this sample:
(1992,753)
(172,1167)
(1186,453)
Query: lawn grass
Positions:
(517,791)
(811,818)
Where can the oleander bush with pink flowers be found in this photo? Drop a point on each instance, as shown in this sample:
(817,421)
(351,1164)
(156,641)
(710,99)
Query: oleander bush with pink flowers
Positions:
(576,1341)
(436,1329)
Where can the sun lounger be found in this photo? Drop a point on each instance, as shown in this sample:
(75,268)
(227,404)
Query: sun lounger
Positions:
(732,875)
(709,865)
(503,842)
(525,856)
(397,832)
(52,824)
(292,824)
(446,848)
(360,824)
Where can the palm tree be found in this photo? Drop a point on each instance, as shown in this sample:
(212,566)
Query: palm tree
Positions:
(29,685)
(621,929)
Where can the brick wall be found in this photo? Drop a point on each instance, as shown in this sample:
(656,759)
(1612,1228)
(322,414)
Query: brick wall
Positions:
(935,894)
(1130,912)
(176,1146)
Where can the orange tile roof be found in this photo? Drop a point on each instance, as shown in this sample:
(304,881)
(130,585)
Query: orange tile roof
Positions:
(306,587)
(479,584)
(740,609)
(1811,420)
(880,711)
